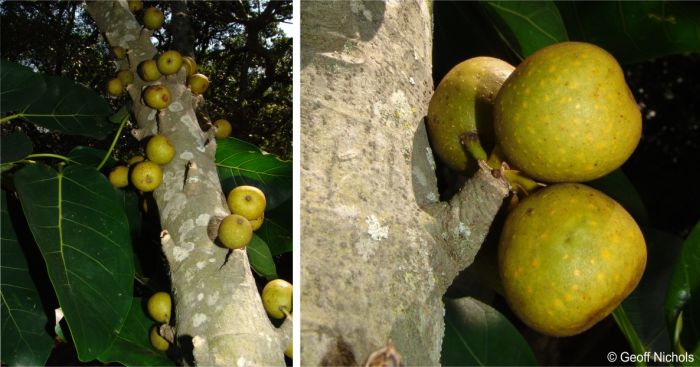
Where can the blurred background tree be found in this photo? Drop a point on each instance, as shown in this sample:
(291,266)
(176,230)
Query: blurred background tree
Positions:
(240,46)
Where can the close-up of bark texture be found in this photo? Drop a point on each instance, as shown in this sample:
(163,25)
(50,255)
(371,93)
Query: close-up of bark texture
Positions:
(220,319)
(379,249)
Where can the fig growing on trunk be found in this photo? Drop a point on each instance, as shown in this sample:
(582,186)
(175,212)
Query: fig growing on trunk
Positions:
(461,108)
(567,115)
(568,255)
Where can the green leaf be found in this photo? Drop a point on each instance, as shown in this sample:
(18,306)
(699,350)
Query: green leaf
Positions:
(527,26)
(683,295)
(132,346)
(276,231)
(619,187)
(90,156)
(120,115)
(636,30)
(478,335)
(261,259)
(70,108)
(129,201)
(83,235)
(25,340)
(643,305)
(14,147)
(241,163)
(19,86)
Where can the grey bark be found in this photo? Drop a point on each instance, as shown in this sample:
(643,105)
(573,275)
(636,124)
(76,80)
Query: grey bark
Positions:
(217,305)
(378,249)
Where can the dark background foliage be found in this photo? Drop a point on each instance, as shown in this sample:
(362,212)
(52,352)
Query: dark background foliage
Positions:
(238,45)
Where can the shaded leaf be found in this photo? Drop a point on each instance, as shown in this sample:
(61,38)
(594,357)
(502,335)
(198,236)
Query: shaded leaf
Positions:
(241,163)
(643,305)
(261,259)
(637,30)
(684,294)
(619,187)
(463,17)
(90,156)
(70,108)
(19,86)
(132,346)
(276,231)
(476,334)
(129,201)
(25,340)
(527,26)
(14,147)
(83,235)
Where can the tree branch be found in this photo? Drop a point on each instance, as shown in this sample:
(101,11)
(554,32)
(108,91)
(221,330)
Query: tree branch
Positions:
(218,309)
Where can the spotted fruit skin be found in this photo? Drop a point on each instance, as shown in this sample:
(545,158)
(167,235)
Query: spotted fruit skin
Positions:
(568,255)
(462,103)
(566,114)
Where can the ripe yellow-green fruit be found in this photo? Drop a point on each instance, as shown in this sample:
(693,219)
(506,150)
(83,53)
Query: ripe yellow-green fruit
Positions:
(126,77)
(135,5)
(146,176)
(198,83)
(149,71)
(135,159)
(462,106)
(568,255)
(159,307)
(566,114)
(119,52)
(255,224)
(157,96)
(235,232)
(169,62)
(277,295)
(115,87)
(158,341)
(190,65)
(159,149)
(248,201)
(119,176)
(223,128)
(153,18)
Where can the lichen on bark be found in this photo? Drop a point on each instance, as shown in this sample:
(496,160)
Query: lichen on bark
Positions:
(378,248)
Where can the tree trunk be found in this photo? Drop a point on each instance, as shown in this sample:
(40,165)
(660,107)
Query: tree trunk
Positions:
(378,249)
(219,316)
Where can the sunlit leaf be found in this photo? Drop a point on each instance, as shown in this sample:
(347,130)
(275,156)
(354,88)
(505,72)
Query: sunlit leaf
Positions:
(132,346)
(261,259)
(19,86)
(70,108)
(684,294)
(25,340)
(527,26)
(79,224)
(478,335)
(634,30)
(241,163)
